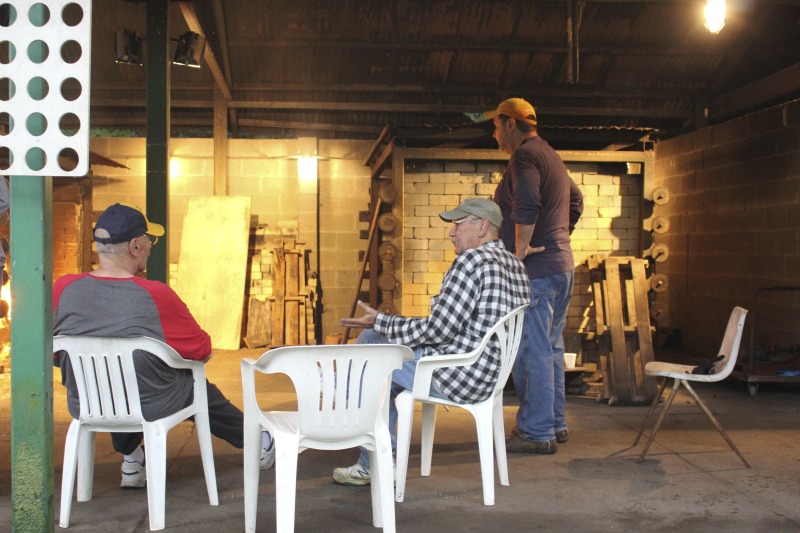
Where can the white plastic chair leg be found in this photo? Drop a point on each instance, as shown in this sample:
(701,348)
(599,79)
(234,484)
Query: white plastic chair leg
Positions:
(428,430)
(86,447)
(483,423)
(499,429)
(285,482)
(155,441)
(207,454)
(252,456)
(68,472)
(405,418)
(375,488)
(381,490)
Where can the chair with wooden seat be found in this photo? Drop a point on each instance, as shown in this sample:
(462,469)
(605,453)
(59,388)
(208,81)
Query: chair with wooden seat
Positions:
(681,375)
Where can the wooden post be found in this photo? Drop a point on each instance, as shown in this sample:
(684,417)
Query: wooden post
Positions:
(278,295)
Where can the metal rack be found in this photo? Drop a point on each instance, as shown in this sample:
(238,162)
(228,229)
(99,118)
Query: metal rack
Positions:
(751,371)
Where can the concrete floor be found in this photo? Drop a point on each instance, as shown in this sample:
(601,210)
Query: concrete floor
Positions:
(690,481)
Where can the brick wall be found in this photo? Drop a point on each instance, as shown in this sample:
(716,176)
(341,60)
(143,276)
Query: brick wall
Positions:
(72,222)
(734,226)
(611,225)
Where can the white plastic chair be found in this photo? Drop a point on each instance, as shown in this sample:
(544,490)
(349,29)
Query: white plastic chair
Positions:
(109,401)
(341,400)
(488,413)
(682,375)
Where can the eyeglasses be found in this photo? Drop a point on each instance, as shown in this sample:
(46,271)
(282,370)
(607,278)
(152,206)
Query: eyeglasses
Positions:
(457,222)
(152,238)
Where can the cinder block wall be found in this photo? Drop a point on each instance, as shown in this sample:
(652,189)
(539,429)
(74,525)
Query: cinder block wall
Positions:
(72,220)
(281,206)
(734,226)
(266,171)
(611,225)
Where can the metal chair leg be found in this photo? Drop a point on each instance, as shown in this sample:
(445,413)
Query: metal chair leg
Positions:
(650,412)
(676,385)
(713,419)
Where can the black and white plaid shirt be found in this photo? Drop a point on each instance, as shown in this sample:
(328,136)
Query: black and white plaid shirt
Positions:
(481,286)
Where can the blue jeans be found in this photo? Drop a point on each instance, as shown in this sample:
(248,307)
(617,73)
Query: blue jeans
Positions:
(539,368)
(402,379)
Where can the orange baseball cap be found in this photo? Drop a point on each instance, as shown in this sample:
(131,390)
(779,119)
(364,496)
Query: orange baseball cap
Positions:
(516,108)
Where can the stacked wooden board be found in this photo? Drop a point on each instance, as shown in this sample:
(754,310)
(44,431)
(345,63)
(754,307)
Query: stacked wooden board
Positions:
(620,288)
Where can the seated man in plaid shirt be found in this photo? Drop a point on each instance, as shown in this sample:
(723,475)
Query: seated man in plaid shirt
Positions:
(484,283)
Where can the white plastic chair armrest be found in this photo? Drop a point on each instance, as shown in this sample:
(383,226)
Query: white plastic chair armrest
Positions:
(249,383)
(426,365)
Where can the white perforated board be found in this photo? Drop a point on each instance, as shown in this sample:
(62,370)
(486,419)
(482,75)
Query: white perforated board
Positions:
(49,47)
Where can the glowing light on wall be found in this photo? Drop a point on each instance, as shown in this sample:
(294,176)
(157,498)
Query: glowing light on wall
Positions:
(715,15)
(307,169)
(307,163)
(175,168)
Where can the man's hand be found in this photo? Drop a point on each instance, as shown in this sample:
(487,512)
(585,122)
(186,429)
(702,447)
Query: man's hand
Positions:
(528,251)
(366,321)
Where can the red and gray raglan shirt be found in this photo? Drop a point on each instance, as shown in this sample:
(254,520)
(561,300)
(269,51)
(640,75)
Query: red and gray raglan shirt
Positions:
(84,304)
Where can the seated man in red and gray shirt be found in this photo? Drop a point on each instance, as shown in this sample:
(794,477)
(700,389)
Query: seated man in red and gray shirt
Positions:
(114,301)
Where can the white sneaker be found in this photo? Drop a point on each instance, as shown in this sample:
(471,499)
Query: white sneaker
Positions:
(134,475)
(352,475)
(268,457)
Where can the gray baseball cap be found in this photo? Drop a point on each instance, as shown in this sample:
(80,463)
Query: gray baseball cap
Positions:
(479,207)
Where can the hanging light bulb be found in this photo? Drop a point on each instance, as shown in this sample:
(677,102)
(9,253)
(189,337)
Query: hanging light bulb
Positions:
(715,15)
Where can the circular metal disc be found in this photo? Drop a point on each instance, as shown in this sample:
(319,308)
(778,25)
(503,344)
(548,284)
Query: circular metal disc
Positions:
(659,282)
(661,196)
(389,309)
(387,222)
(387,252)
(658,311)
(660,225)
(387,193)
(387,281)
(659,253)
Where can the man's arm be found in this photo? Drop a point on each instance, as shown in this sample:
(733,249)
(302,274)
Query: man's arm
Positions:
(451,309)
(366,321)
(181,330)
(575,204)
(522,241)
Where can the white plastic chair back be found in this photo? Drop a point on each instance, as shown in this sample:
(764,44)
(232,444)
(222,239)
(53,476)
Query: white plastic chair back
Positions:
(341,398)
(106,380)
(509,334)
(337,386)
(730,343)
(488,413)
(105,377)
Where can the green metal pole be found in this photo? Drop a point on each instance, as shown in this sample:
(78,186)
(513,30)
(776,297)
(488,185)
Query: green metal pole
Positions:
(158,104)
(32,333)
(31,354)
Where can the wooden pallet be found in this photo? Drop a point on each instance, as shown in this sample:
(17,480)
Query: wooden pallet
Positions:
(292,298)
(625,341)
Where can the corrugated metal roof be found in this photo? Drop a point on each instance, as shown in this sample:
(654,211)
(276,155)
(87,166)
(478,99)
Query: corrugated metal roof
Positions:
(346,68)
